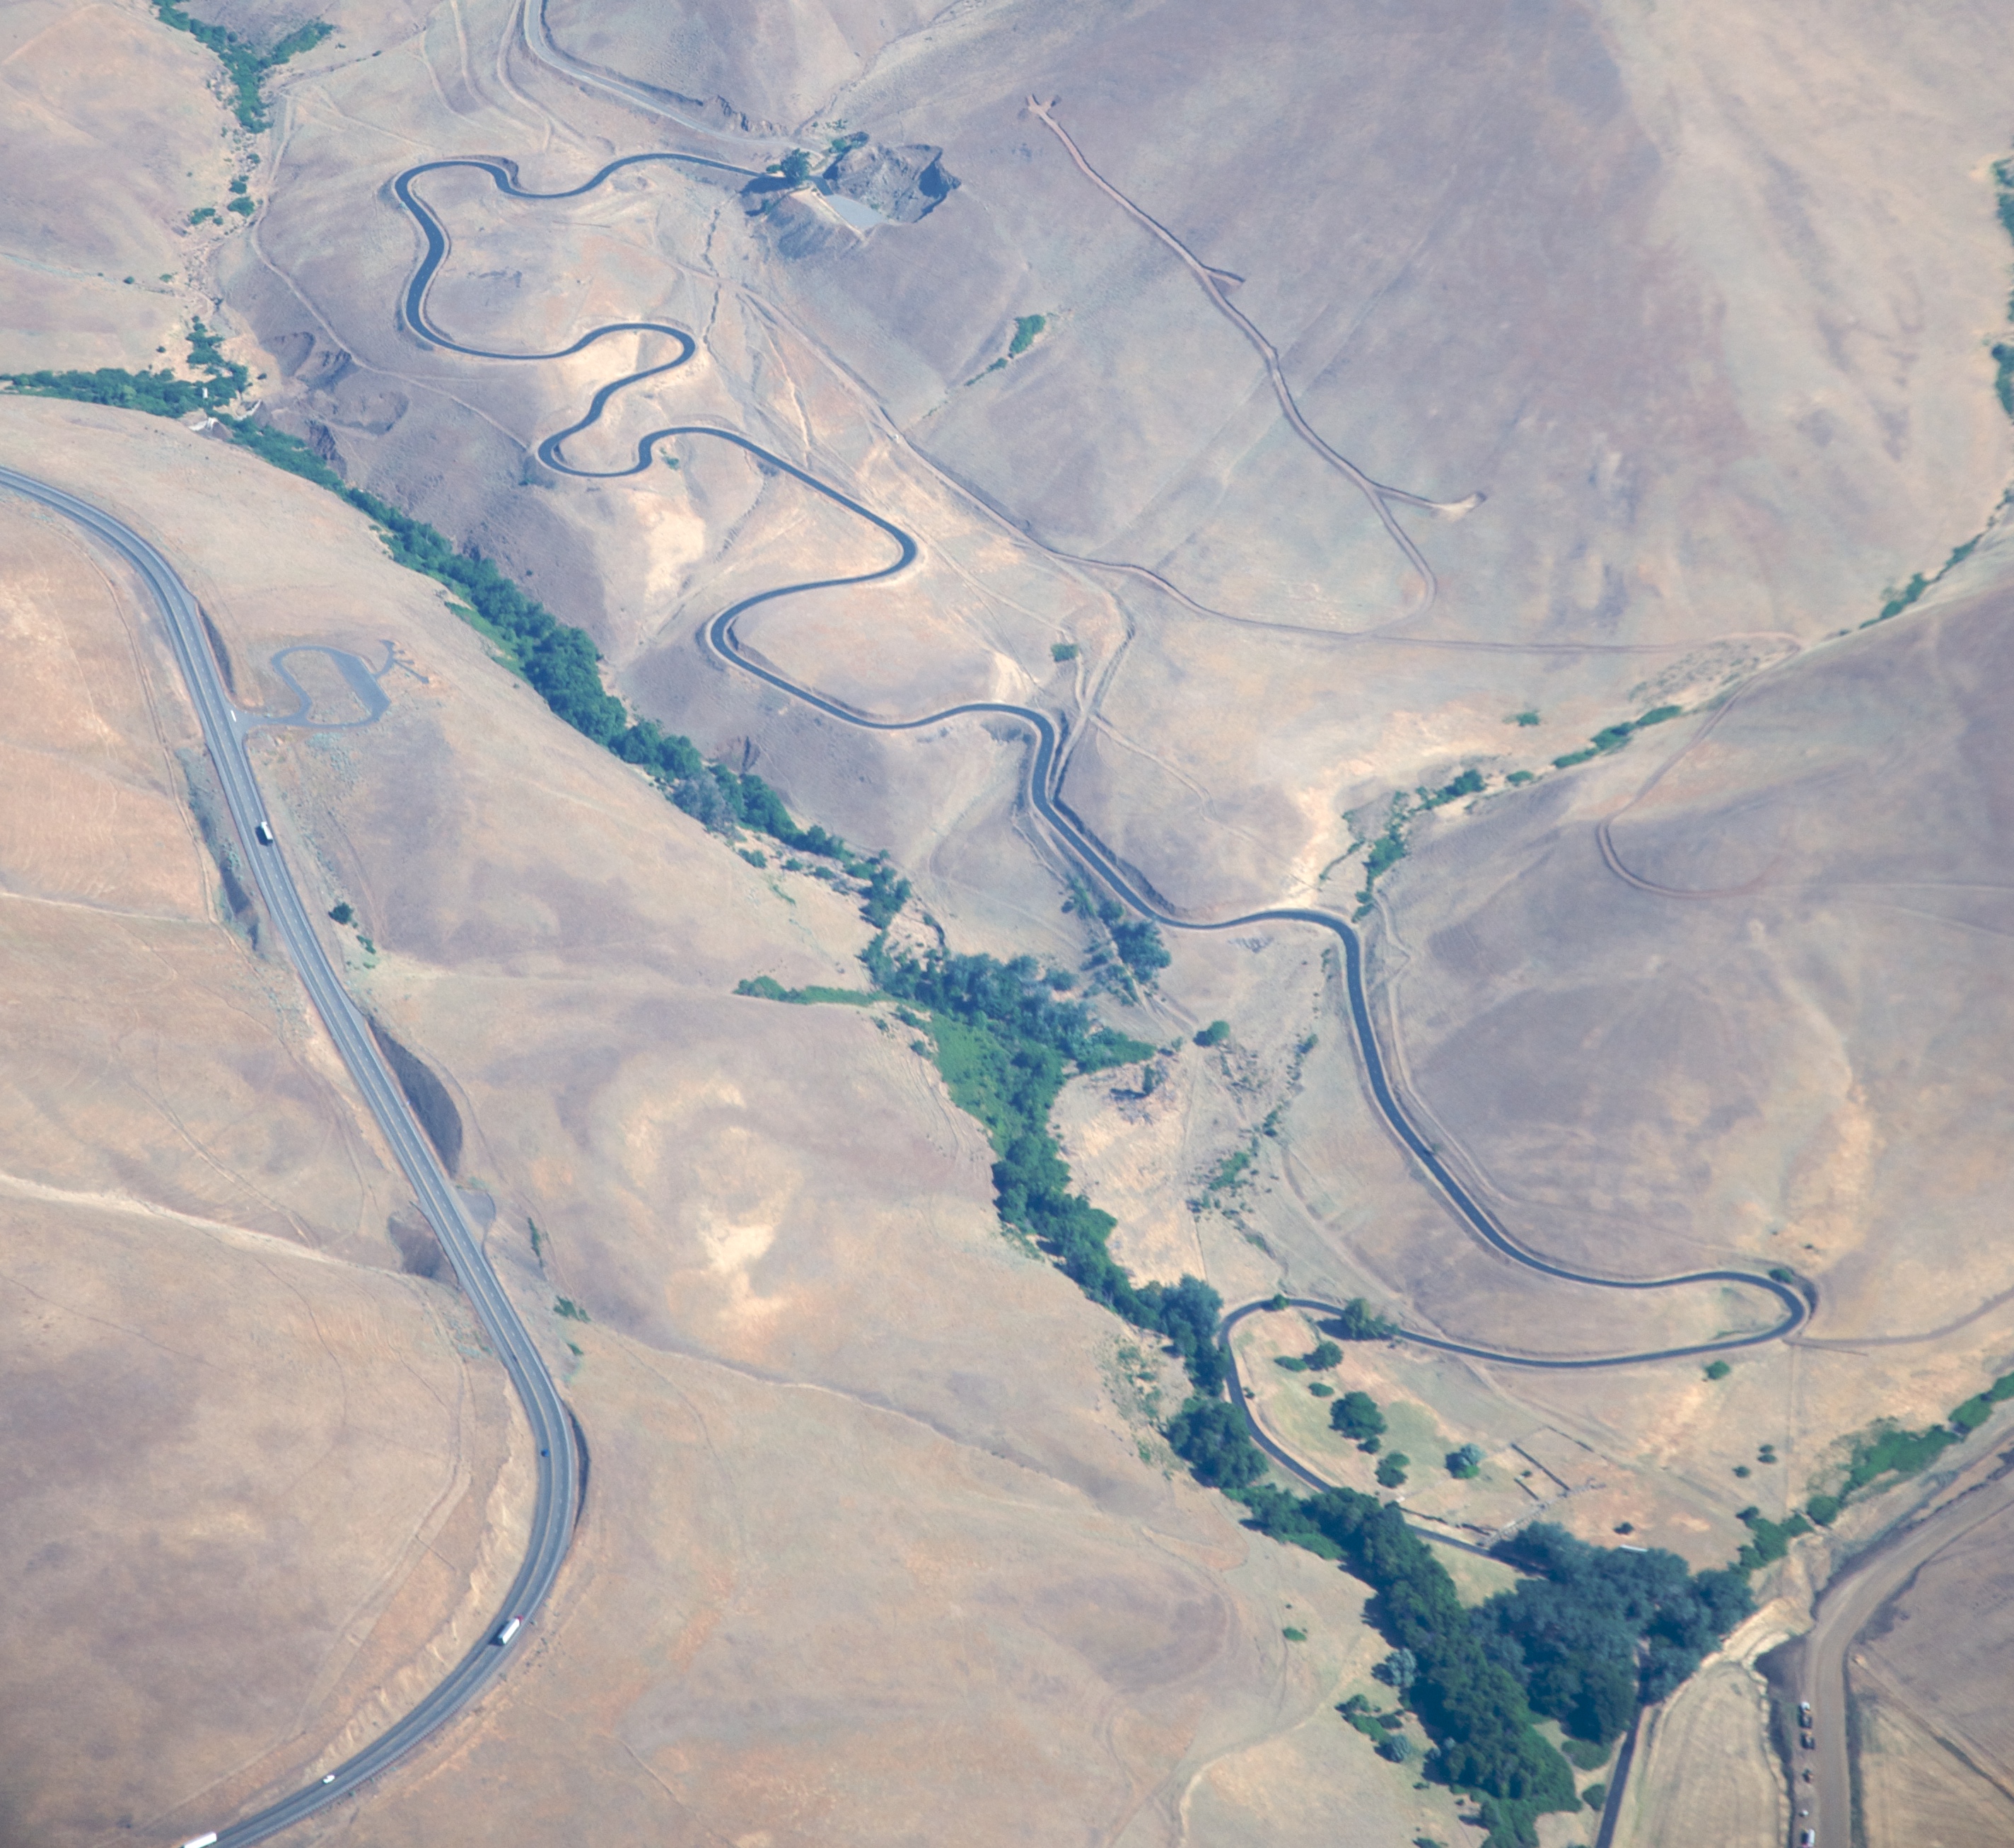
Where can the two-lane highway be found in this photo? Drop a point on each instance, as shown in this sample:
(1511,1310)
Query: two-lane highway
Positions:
(223,730)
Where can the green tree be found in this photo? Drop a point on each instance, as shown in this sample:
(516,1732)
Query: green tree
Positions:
(1398,1671)
(1209,1435)
(1141,948)
(1357,1417)
(1357,1323)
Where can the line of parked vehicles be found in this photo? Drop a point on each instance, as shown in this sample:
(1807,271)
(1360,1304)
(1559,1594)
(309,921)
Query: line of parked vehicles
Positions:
(1807,1838)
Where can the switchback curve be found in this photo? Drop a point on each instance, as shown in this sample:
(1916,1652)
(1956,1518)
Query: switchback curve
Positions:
(1045,775)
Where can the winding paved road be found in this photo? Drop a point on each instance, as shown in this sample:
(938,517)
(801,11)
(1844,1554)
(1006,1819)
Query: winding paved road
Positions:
(1047,771)
(223,730)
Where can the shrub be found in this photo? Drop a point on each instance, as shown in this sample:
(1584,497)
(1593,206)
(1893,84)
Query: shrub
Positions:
(1062,651)
(1585,1755)
(1323,1355)
(1824,1509)
(245,68)
(1027,327)
(1386,851)
(343,914)
(1468,783)
(1896,1452)
(1595,1796)
(1392,1470)
(1770,1540)
(1215,1034)
(1466,1462)
(1718,1369)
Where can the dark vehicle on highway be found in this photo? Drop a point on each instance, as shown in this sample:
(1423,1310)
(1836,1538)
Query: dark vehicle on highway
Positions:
(1808,1743)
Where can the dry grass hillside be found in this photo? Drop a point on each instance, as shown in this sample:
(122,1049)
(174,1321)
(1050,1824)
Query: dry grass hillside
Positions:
(1720,384)
(1701,302)
(852,1568)
(262,1483)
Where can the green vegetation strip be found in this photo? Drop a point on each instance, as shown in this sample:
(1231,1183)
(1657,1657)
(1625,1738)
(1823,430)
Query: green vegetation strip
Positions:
(560,661)
(1590,1634)
(1897,600)
(246,68)
(1613,738)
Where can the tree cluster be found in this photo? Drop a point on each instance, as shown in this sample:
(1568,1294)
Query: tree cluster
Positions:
(243,65)
(1471,1705)
(1588,1635)
(1597,1630)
